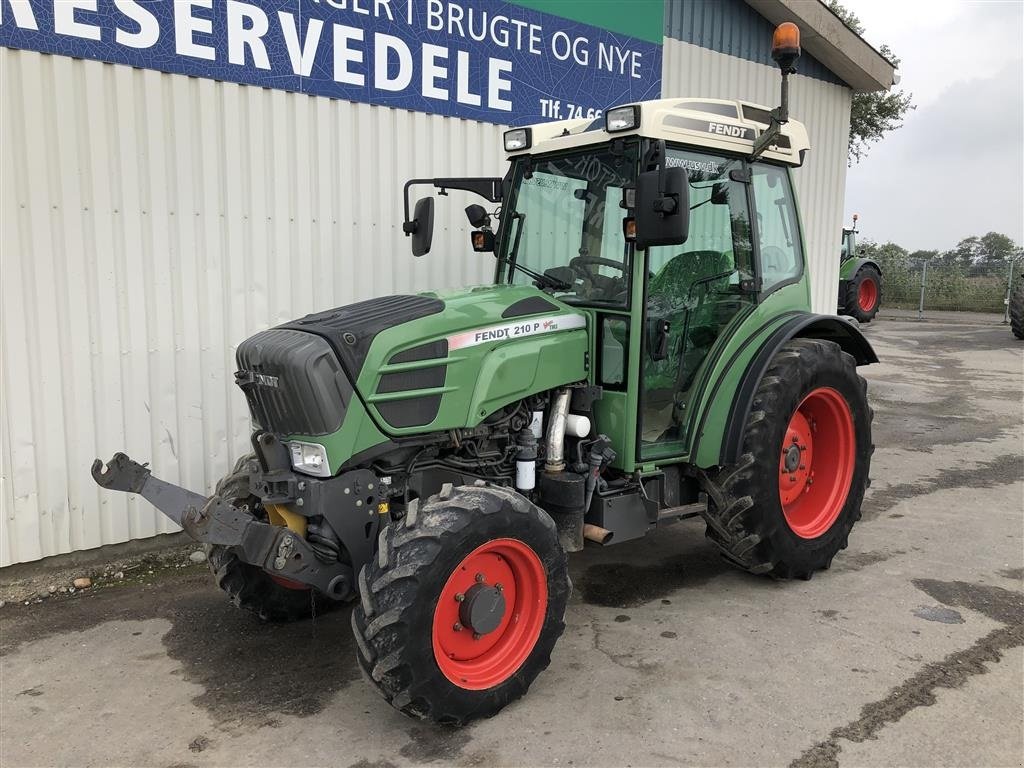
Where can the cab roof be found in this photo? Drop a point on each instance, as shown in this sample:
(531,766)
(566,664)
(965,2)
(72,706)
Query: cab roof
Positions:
(721,124)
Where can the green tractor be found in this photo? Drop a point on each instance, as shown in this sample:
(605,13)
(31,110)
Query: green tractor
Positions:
(860,280)
(646,354)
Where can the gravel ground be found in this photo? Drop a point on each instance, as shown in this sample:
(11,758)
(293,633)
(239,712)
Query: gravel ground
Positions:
(909,651)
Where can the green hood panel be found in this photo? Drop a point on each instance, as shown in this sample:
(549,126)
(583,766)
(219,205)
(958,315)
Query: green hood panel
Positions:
(490,346)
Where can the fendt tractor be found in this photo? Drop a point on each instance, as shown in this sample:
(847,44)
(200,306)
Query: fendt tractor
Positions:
(860,280)
(646,354)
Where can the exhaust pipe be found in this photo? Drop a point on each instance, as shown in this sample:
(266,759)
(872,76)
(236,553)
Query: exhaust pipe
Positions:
(555,459)
(596,534)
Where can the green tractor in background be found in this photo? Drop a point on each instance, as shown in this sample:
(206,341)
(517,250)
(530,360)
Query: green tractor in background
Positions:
(860,280)
(646,354)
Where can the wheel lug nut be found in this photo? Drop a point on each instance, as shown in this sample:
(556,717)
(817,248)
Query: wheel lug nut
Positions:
(457,627)
(479,578)
(459,597)
(499,587)
(792,478)
(476,635)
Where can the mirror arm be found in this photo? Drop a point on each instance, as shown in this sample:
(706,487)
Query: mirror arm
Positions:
(487,187)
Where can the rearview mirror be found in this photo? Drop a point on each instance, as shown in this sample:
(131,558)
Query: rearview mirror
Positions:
(719,193)
(662,207)
(422,226)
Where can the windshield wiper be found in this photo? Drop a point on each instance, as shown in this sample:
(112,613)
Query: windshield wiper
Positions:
(552,282)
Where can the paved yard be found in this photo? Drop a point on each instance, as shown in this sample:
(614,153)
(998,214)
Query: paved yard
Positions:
(909,651)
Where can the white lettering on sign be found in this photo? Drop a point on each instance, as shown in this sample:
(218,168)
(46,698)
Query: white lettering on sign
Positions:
(519,329)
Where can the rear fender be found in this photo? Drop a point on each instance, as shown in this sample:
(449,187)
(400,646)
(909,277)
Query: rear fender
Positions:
(842,331)
(851,267)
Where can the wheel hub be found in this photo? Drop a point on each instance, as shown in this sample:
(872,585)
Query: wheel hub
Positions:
(483,609)
(792,458)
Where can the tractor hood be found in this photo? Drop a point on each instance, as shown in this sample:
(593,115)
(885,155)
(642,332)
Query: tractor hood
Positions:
(418,363)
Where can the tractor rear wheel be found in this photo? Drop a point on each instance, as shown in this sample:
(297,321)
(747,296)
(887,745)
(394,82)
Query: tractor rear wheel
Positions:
(249,587)
(460,609)
(787,506)
(863,294)
(1017,308)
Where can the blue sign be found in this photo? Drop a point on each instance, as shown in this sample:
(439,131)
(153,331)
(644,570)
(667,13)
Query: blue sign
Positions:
(485,60)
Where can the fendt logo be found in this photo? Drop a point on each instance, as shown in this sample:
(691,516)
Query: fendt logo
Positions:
(735,131)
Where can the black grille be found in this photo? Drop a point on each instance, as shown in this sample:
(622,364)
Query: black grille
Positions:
(293,382)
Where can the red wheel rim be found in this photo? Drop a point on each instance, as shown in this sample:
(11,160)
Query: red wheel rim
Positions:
(478,661)
(867,294)
(816,465)
(298,586)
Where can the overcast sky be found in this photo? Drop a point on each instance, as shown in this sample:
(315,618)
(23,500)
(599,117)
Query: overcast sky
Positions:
(956,167)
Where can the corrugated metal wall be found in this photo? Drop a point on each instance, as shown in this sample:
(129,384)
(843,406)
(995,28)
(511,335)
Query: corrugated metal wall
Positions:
(825,109)
(150,223)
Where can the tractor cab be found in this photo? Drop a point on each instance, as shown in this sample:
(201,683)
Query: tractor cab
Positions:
(575,217)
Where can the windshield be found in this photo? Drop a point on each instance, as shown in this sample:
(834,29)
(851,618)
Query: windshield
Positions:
(564,229)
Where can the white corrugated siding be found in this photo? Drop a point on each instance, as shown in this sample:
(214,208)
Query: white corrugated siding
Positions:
(150,222)
(824,108)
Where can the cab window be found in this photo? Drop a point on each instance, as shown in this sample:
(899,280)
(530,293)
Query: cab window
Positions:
(778,231)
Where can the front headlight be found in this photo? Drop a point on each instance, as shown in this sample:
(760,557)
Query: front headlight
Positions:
(310,458)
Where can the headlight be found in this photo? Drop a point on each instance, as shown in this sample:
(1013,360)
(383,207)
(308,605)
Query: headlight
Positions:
(517,139)
(622,118)
(309,458)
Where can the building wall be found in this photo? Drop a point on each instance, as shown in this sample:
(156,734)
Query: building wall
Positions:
(152,221)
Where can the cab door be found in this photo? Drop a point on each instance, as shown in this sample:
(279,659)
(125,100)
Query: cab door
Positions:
(694,291)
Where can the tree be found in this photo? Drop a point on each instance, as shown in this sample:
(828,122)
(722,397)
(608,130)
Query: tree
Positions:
(872,115)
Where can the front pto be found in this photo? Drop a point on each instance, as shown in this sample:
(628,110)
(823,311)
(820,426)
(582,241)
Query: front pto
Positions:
(283,551)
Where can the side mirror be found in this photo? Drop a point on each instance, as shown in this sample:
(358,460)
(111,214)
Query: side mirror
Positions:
(422,226)
(662,207)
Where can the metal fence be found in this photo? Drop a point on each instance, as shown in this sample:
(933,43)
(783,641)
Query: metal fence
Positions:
(932,285)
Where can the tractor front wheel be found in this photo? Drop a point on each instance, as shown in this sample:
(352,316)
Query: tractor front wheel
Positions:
(786,508)
(270,598)
(863,294)
(460,609)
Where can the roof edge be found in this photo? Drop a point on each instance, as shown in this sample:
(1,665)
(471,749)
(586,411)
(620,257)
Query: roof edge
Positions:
(829,40)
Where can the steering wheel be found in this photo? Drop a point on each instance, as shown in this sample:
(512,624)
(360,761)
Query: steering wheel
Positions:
(577,263)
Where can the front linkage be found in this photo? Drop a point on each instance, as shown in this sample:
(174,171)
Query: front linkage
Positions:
(278,550)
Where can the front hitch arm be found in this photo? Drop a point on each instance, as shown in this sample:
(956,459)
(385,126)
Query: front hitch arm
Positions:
(190,510)
(214,520)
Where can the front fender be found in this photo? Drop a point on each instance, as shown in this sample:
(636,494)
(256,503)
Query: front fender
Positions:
(844,332)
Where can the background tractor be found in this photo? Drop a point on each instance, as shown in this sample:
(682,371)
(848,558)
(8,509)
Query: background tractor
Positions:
(860,280)
(645,354)
(1016,307)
